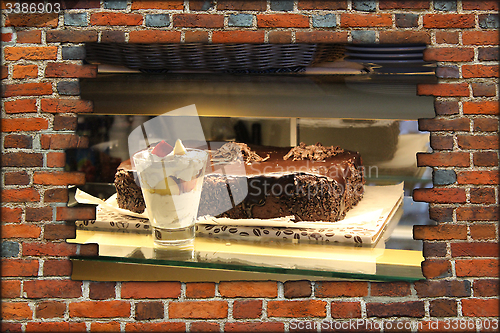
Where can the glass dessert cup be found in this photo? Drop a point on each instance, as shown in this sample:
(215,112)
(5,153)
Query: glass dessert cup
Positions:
(171,186)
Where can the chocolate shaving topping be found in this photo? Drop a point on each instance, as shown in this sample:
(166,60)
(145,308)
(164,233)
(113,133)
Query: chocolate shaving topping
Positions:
(316,152)
(234,150)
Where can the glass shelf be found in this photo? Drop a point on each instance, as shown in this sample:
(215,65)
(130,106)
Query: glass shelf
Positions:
(126,256)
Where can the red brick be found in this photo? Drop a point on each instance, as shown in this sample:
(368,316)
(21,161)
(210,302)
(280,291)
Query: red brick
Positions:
(55,327)
(59,230)
(249,289)
(6,37)
(113,36)
(247,309)
(398,289)
(16,311)
(11,288)
(484,195)
(25,71)
(20,106)
(440,195)
(20,231)
(342,310)
(63,141)
(19,267)
(30,53)
(111,18)
(477,267)
(443,89)
(57,267)
(18,141)
(476,249)
(403,4)
(470,71)
(75,213)
(55,69)
(197,5)
(449,54)
(22,159)
(155,327)
(49,249)
(27,89)
(450,288)
(149,310)
(110,326)
(483,89)
(480,307)
(447,37)
(296,309)
(433,125)
(482,107)
(17,178)
(453,159)
(436,268)
(446,107)
(99,309)
(56,160)
(480,38)
(147,4)
(154,36)
(254,327)
(151,289)
(89,250)
(4,72)
(321,4)
(441,142)
(405,37)
(282,21)
(443,308)
(320,37)
(485,288)
(365,20)
(198,326)
(477,141)
(198,20)
(479,5)
(71,36)
(257,5)
(62,123)
(29,36)
(340,288)
(439,232)
(38,214)
(20,195)
(32,20)
(441,21)
(478,177)
(236,36)
(56,195)
(101,290)
(58,178)
(434,249)
(482,231)
(11,214)
(198,309)
(50,309)
(397,309)
(279,37)
(196,37)
(485,124)
(294,289)
(53,288)
(477,213)
(200,289)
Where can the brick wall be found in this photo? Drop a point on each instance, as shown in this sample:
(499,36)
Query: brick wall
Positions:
(41,64)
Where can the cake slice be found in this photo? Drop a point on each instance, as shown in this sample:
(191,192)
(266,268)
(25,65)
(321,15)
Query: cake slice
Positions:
(310,183)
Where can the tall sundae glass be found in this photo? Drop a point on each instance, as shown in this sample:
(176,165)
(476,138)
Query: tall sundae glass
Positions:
(171,181)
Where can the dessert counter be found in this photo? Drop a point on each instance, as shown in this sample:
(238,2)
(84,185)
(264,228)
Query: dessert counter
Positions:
(133,256)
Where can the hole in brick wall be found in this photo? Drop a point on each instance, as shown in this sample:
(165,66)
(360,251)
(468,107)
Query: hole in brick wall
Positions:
(358,97)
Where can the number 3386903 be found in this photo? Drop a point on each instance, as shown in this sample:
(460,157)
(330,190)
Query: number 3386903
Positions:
(32,8)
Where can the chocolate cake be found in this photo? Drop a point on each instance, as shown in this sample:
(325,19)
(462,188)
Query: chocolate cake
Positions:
(310,183)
